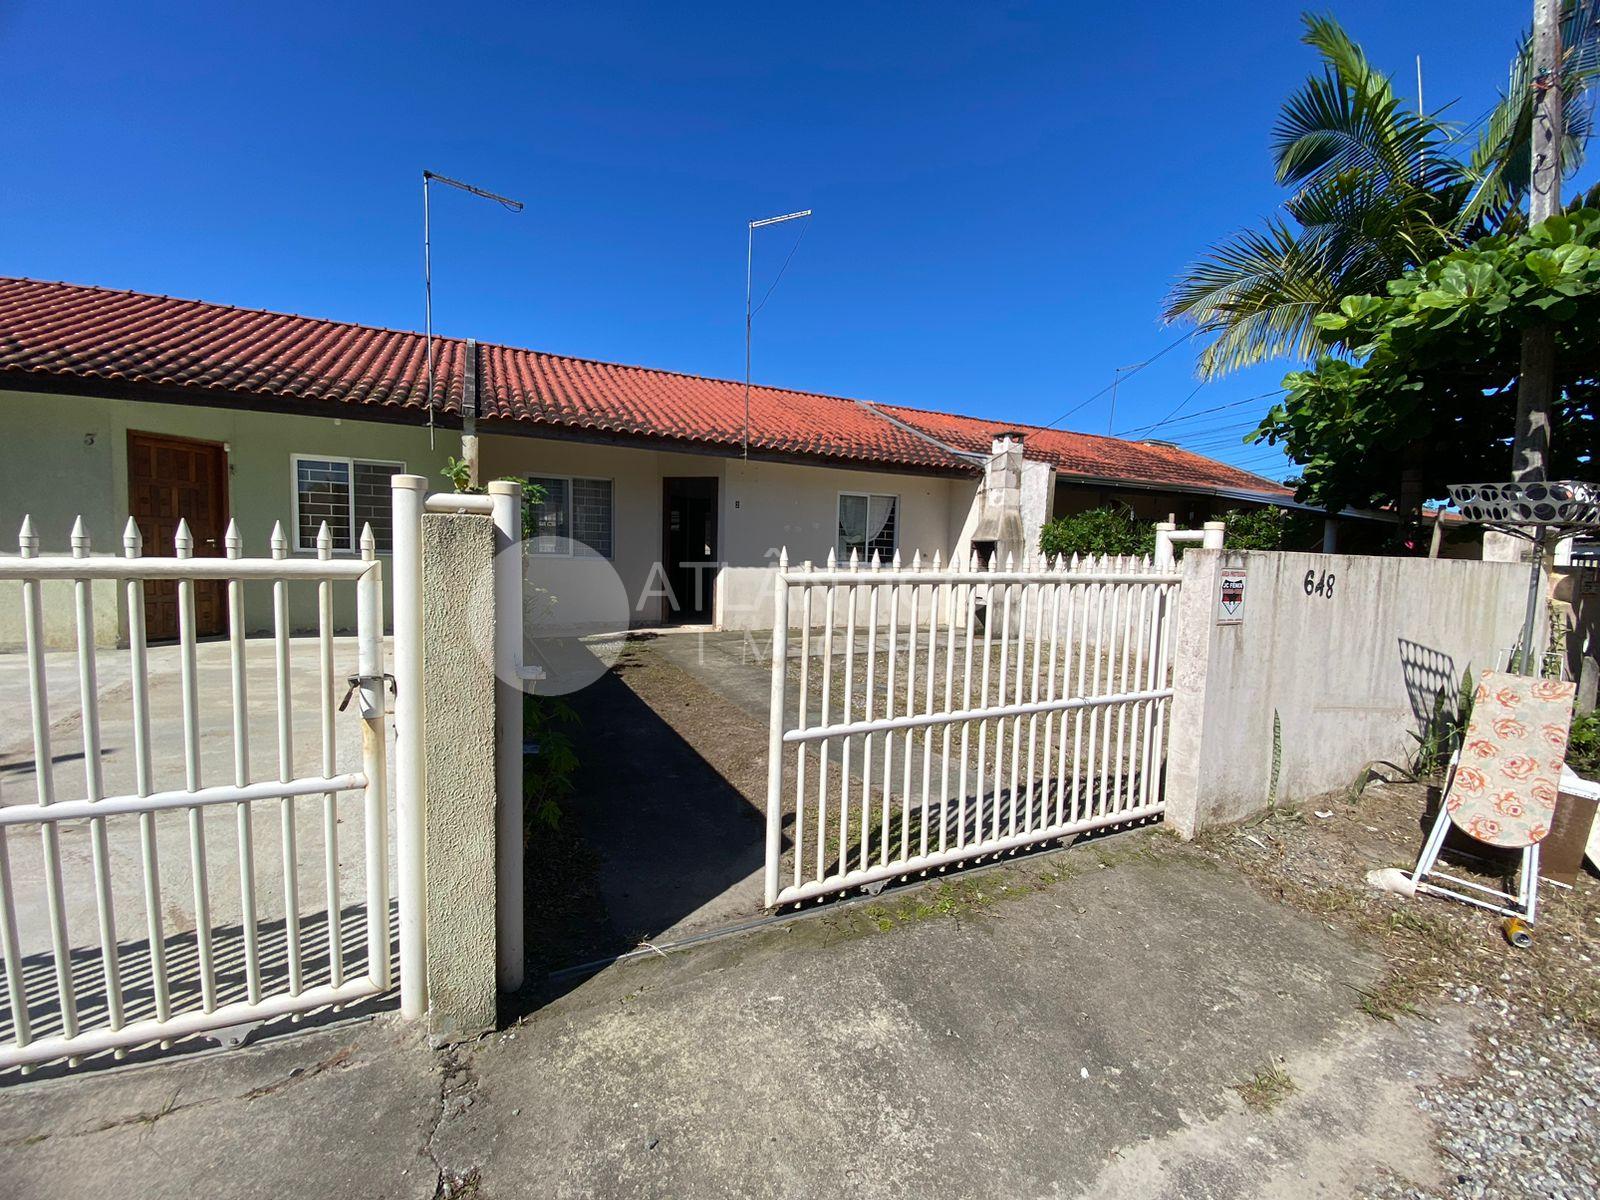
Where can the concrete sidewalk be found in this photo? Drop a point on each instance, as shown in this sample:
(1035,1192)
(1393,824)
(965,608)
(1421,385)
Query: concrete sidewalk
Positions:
(1073,1024)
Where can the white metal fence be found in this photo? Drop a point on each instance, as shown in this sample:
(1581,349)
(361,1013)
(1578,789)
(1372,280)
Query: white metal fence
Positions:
(933,716)
(221,952)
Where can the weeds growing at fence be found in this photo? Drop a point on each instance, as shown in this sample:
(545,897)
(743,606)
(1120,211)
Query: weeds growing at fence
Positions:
(1447,724)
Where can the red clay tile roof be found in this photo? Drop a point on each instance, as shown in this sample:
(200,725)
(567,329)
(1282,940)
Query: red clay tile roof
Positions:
(54,329)
(575,393)
(1089,456)
(62,331)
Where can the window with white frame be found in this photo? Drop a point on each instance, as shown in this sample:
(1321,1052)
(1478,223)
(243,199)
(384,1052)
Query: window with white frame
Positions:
(868,524)
(347,493)
(573,511)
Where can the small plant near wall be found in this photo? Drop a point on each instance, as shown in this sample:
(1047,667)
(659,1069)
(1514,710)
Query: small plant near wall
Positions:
(1112,529)
(1437,744)
(1583,745)
(549,764)
(459,473)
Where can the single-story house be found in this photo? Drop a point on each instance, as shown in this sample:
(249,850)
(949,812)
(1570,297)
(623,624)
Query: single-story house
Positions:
(119,403)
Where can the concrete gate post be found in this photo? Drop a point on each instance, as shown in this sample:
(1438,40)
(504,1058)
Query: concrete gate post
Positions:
(458,696)
(1192,648)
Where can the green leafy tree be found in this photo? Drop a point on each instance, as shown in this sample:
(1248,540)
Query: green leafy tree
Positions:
(1416,389)
(1377,188)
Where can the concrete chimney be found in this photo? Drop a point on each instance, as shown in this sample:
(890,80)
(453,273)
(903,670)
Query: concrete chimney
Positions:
(999,531)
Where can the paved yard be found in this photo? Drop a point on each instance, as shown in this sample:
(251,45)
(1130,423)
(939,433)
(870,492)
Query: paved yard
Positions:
(1072,1025)
(664,835)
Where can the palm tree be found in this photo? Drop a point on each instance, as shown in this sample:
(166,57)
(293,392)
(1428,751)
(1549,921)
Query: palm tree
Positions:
(1378,188)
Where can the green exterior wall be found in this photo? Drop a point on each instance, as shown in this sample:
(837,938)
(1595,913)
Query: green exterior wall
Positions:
(65,456)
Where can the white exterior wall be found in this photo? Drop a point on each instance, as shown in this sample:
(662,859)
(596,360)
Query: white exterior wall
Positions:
(65,456)
(762,507)
(1038,500)
(782,504)
(635,476)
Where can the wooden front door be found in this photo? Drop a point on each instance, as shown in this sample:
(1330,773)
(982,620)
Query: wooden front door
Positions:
(172,479)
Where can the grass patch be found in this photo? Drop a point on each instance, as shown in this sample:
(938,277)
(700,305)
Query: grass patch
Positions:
(963,897)
(1397,995)
(951,898)
(1266,1089)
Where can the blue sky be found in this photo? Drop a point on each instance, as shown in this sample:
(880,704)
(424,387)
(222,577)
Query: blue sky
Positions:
(1003,193)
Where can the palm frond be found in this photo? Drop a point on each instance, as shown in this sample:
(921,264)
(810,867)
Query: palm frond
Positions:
(1349,118)
(1378,189)
(1259,292)
(1500,164)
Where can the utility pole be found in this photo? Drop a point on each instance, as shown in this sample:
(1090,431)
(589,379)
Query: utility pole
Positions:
(1530,450)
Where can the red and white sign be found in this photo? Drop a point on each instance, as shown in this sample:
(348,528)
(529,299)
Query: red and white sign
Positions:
(1230,598)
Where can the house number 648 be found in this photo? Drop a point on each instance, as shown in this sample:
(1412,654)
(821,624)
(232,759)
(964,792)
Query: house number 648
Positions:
(1319,585)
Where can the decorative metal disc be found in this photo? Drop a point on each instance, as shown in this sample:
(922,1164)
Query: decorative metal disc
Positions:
(1567,503)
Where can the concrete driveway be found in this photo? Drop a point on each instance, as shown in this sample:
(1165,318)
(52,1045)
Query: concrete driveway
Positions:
(1077,1025)
(1087,1022)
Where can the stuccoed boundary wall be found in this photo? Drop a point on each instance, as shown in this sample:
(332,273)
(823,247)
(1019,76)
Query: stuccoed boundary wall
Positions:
(1336,661)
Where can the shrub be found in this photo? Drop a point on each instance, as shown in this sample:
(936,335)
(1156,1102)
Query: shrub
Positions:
(1256,529)
(1583,745)
(548,767)
(1112,529)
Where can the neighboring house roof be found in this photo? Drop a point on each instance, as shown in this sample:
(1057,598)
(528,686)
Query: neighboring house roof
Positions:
(1090,456)
(62,336)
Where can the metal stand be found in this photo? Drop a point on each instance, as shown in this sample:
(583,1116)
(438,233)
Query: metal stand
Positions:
(1541,513)
(1524,903)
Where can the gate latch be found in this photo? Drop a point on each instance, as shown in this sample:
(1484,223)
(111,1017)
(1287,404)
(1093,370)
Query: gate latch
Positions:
(356,682)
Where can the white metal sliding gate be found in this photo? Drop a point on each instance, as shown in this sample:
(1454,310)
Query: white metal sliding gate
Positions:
(216,953)
(934,716)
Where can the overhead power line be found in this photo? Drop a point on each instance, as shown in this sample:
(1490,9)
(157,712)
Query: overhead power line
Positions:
(1175,420)
(1122,374)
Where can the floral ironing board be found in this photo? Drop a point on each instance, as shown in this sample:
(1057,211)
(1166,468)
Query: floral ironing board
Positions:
(1505,786)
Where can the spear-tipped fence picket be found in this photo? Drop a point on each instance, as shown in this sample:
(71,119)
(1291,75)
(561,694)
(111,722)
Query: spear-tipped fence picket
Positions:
(936,715)
(67,997)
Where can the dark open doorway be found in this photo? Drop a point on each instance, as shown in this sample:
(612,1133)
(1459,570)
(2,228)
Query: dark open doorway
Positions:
(689,546)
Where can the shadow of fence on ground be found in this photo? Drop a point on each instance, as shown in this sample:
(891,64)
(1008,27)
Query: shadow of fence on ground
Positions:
(86,971)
